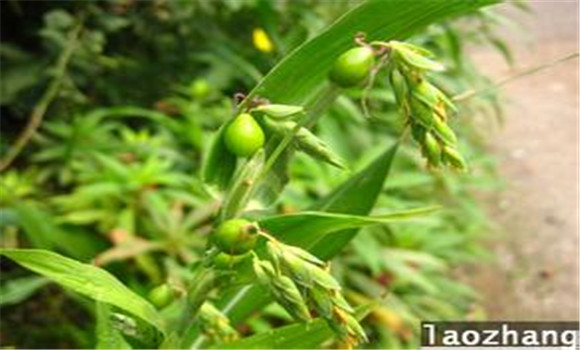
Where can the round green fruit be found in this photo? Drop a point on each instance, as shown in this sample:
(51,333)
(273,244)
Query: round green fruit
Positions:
(352,67)
(199,89)
(244,136)
(161,296)
(236,236)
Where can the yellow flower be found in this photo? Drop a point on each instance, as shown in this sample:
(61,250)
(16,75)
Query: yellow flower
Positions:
(262,41)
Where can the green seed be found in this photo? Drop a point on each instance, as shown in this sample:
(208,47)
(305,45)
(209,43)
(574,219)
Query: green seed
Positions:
(244,136)
(338,300)
(304,255)
(322,301)
(215,324)
(422,113)
(161,295)
(236,236)
(399,85)
(355,329)
(199,89)
(352,67)
(454,158)
(288,295)
(324,279)
(444,132)
(299,270)
(432,149)
(283,289)
(414,57)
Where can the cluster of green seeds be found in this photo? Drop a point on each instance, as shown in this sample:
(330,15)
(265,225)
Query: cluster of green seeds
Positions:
(299,281)
(215,325)
(423,104)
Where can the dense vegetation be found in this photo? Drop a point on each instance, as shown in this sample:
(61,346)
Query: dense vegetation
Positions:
(220,174)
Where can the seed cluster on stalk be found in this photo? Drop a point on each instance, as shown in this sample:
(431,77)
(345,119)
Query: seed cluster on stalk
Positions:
(215,325)
(299,280)
(423,104)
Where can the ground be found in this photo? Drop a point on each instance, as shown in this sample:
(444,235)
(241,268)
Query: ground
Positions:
(535,273)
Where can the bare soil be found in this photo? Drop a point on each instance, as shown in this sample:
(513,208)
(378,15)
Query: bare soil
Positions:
(535,273)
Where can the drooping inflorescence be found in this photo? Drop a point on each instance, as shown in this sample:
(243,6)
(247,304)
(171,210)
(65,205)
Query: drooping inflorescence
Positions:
(299,281)
(423,104)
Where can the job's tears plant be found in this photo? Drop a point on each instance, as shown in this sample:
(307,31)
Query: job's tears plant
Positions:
(261,133)
(253,256)
(298,280)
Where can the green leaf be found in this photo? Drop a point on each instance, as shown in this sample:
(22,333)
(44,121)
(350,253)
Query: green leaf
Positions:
(108,337)
(219,164)
(306,228)
(85,279)
(297,336)
(17,290)
(43,232)
(357,196)
(304,71)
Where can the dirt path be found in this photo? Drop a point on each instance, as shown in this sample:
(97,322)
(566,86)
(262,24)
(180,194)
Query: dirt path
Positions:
(535,276)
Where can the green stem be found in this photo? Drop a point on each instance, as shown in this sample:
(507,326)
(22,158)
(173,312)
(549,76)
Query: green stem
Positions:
(199,288)
(470,93)
(49,95)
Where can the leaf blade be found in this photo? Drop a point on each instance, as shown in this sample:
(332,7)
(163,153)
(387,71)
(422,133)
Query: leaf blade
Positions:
(89,280)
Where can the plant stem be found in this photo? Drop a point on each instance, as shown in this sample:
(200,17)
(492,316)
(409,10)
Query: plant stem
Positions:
(199,288)
(49,95)
(470,93)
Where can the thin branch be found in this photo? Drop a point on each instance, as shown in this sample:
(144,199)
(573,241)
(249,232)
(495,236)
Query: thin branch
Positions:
(47,98)
(470,93)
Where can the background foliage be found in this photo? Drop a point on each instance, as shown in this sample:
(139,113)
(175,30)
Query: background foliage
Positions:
(113,176)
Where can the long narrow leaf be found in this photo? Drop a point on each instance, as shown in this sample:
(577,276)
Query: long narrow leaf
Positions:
(108,337)
(297,336)
(306,228)
(89,280)
(17,290)
(357,196)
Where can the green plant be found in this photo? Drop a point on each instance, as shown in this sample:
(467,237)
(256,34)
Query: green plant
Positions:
(145,191)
